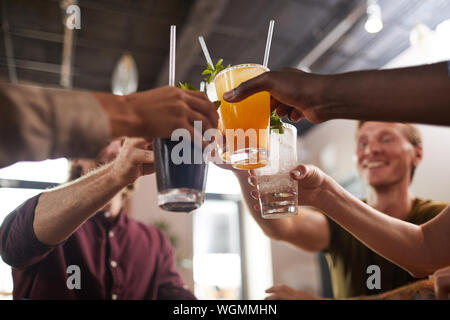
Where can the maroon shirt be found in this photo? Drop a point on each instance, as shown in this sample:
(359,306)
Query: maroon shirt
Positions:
(124,259)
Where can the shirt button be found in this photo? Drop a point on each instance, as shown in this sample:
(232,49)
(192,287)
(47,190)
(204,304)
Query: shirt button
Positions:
(114,296)
(107,214)
(111,234)
(113,264)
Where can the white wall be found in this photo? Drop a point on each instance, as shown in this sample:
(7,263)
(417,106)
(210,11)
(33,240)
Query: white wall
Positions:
(296,268)
(258,257)
(338,138)
(432,178)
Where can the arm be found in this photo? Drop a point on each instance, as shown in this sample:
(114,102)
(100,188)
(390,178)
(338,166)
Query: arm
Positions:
(415,94)
(418,249)
(18,244)
(420,290)
(442,283)
(30,232)
(308,231)
(62,211)
(284,292)
(39,123)
(157,113)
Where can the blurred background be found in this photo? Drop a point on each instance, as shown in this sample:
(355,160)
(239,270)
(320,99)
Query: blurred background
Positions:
(123,46)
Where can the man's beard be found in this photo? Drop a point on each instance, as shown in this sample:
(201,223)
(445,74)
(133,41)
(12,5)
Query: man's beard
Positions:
(75,172)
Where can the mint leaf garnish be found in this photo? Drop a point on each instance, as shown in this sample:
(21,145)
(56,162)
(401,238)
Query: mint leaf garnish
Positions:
(276,123)
(217,103)
(213,72)
(187,86)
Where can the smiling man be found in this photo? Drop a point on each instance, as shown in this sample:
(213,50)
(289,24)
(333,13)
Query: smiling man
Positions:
(387,154)
(387,157)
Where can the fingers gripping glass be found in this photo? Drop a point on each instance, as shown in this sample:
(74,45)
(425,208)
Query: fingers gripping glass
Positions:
(244,124)
(181,184)
(278,192)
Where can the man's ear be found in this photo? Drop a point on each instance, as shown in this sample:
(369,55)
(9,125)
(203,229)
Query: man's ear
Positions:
(75,162)
(75,170)
(418,155)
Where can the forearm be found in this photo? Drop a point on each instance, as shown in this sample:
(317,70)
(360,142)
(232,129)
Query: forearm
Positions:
(274,229)
(420,290)
(398,241)
(40,123)
(122,118)
(416,94)
(308,230)
(61,211)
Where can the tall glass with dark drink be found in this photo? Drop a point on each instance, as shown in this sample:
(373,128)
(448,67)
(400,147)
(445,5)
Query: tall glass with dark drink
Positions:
(181,185)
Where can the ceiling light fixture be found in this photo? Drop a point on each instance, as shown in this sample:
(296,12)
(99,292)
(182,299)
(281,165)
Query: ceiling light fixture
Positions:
(125,76)
(374,23)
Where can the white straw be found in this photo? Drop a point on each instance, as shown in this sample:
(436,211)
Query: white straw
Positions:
(202,86)
(173,40)
(268,43)
(205,51)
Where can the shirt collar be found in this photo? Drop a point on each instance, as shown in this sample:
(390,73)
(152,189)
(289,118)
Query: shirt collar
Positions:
(105,218)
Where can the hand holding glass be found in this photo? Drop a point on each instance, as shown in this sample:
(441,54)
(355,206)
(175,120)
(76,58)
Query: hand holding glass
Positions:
(278,192)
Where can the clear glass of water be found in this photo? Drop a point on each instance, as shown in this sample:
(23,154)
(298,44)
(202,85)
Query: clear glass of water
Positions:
(278,192)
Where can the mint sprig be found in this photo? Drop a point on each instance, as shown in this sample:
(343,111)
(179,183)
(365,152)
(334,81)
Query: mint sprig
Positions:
(213,72)
(276,123)
(186,86)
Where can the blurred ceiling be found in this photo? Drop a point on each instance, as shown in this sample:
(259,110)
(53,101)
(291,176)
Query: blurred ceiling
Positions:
(32,36)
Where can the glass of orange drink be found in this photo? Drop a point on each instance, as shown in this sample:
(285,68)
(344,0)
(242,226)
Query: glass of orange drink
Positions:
(246,123)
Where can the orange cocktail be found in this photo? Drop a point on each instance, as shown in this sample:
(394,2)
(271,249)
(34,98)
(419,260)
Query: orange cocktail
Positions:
(245,123)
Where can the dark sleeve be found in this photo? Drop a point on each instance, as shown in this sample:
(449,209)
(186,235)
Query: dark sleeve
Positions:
(40,123)
(19,246)
(426,210)
(171,285)
(436,207)
(341,241)
(334,230)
